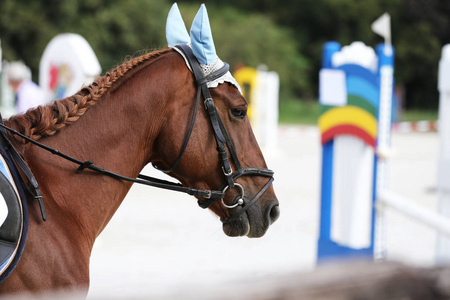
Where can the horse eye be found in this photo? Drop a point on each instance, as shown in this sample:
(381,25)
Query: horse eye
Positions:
(239,112)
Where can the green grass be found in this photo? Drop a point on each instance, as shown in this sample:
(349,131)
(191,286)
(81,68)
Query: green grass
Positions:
(295,111)
(419,115)
(298,112)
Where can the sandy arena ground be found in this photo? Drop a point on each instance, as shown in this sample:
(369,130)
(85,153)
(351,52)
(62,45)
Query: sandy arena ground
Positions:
(160,243)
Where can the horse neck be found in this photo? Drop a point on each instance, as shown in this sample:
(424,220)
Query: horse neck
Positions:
(117,134)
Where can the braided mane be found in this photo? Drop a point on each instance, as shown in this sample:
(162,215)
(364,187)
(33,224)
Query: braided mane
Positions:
(47,120)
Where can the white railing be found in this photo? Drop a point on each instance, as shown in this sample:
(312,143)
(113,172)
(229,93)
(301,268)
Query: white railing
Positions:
(412,210)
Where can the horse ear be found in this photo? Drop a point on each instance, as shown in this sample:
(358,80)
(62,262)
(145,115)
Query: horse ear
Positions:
(176,32)
(201,38)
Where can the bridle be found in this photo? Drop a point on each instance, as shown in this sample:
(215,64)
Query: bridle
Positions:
(222,139)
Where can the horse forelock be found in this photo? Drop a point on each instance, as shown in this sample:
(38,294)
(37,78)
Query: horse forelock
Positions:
(49,119)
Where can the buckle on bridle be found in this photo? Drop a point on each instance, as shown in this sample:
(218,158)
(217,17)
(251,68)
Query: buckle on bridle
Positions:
(209,194)
(227,173)
(206,101)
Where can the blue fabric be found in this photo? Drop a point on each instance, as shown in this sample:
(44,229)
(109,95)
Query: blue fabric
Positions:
(176,32)
(5,263)
(4,170)
(201,38)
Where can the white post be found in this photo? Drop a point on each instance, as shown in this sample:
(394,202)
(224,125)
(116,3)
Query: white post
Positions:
(265,110)
(270,85)
(443,242)
(384,137)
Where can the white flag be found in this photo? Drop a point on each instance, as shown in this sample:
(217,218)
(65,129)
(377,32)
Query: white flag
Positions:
(382,26)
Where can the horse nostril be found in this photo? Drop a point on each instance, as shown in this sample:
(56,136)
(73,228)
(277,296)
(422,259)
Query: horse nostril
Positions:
(274,213)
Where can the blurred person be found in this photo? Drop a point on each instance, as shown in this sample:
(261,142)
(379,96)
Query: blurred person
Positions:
(28,93)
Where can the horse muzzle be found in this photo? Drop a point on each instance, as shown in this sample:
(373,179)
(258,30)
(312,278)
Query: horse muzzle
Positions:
(251,217)
(254,222)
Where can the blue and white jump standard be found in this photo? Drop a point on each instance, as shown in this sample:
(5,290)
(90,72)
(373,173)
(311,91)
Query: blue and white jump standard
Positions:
(355,94)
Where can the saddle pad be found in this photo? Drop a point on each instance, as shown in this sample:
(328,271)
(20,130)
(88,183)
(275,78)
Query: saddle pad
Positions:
(11,221)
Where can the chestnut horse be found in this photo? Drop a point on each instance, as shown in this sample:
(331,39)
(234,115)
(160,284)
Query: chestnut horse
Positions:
(135,114)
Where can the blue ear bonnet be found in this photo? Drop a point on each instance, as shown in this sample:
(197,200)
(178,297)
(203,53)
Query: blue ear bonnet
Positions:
(176,32)
(200,40)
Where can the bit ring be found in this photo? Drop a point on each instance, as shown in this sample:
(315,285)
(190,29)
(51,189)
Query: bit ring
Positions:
(240,201)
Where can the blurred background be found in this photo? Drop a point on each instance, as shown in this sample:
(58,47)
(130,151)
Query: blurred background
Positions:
(286,36)
(156,247)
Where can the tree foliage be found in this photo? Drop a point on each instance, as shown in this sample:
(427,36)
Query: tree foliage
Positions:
(287,35)
(254,40)
(419,30)
(114,28)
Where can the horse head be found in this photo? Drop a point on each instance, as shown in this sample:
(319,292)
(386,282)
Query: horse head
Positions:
(215,149)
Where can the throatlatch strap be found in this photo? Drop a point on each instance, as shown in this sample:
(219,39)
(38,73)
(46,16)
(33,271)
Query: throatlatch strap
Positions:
(186,140)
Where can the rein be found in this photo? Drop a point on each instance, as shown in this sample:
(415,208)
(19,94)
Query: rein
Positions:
(142,179)
(222,139)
